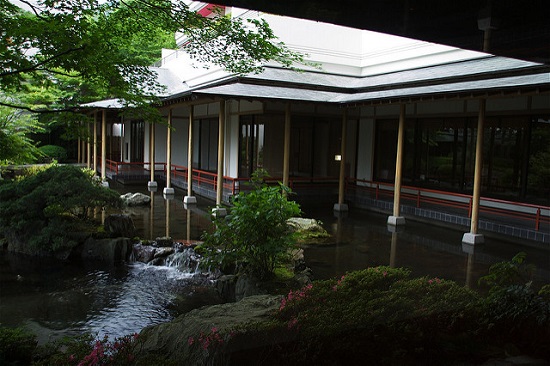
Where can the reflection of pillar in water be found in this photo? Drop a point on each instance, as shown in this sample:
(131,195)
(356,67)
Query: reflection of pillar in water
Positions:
(167,201)
(188,226)
(151,214)
(469,268)
(469,250)
(393,249)
(102,215)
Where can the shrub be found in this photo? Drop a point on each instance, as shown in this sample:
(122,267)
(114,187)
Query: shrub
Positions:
(16,346)
(49,209)
(379,314)
(255,236)
(53,152)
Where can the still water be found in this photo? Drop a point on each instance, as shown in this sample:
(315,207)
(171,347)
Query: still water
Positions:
(53,299)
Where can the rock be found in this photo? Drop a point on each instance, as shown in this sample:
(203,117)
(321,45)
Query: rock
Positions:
(119,225)
(179,340)
(163,252)
(110,251)
(143,253)
(135,199)
(302,225)
(164,241)
(225,285)
(247,286)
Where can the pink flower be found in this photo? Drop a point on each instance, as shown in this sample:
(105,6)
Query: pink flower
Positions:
(190,341)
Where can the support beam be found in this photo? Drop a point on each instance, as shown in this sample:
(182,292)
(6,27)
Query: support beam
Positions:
(286,147)
(152,184)
(88,150)
(95,143)
(396,219)
(341,206)
(473,237)
(168,190)
(104,148)
(190,199)
(219,211)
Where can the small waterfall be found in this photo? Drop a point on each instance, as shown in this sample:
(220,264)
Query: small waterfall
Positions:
(186,261)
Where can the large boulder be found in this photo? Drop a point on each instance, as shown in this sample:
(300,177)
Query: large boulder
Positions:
(119,225)
(135,199)
(307,230)
(206,336)
(110,251)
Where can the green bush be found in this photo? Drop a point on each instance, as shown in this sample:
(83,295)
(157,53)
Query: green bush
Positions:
(16,346)
(255,236)
(53,152)
(375,316)
(50,209)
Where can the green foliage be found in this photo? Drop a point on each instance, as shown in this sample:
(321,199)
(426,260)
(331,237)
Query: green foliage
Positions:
(504,274)
(514,309)
(54,152)
(379,314)
(16,346)
(255,235)
(15,145)
(49,209)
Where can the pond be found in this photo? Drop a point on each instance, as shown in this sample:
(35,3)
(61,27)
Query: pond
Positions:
(54,299)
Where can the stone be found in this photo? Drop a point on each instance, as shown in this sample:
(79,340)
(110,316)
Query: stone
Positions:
(247,286)
(143,253)
(135,199)
(178,340)
(119,225)
(164,241)
(109,251)
(163,252)
(299,224)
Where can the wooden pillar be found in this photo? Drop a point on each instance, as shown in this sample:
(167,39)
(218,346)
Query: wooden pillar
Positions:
(168,190)
(286,147)
(79,151)
(189,199)
(221,148)
(152,184)
(88,150)
(104,146)
(473,237)
(341,206)
(396,219)
(95,143)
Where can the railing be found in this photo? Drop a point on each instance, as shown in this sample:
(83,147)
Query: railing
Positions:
(536,213)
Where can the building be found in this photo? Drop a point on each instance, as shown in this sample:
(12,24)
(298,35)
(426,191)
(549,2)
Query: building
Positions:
(382,114)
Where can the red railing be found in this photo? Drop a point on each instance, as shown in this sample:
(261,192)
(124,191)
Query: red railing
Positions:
(536,213)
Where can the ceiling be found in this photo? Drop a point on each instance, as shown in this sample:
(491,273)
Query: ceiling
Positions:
(521,29)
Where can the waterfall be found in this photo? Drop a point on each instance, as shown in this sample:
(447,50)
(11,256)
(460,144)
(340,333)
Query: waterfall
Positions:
(186,261)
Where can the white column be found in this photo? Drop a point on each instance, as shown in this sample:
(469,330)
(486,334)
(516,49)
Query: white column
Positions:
(396,218)
(168,190)
(473,237)
(190,199)
(341,206)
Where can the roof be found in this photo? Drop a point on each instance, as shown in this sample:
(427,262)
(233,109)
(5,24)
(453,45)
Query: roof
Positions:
(487,74)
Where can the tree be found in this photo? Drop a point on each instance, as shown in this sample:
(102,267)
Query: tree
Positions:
(15,145)
(108,47)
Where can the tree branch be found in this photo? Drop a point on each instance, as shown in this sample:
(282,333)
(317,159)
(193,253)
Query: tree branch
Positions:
(37,66)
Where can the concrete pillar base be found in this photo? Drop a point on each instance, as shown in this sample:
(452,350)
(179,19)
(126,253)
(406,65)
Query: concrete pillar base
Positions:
(152,184)
(341,207)
(219,212)
(105,184)
(190,200)
(168,191)
(473,239)
(396,220)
